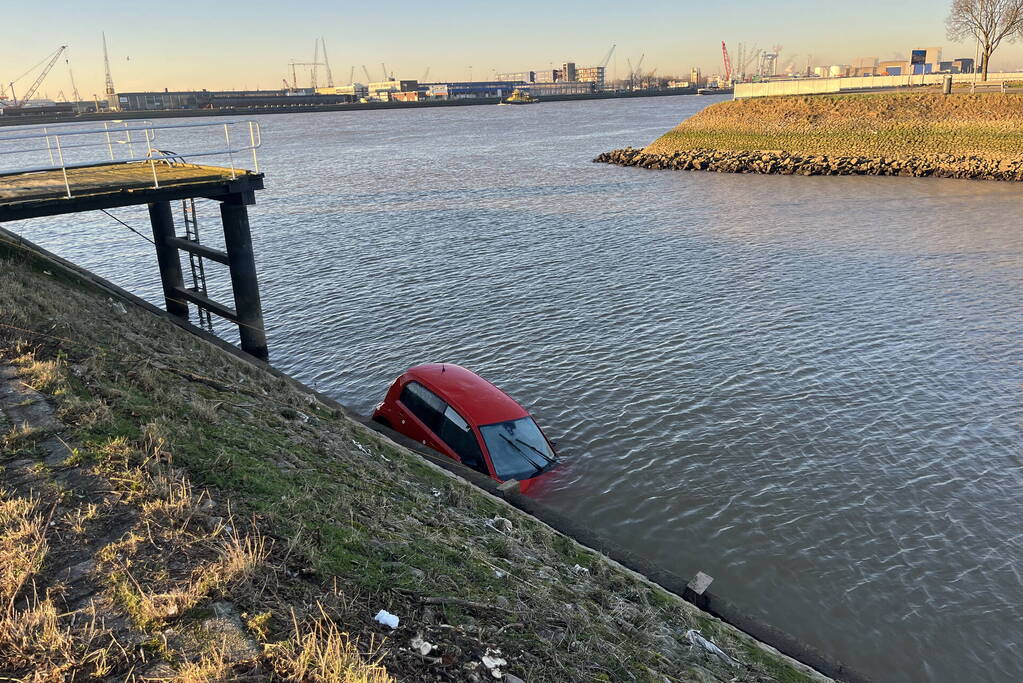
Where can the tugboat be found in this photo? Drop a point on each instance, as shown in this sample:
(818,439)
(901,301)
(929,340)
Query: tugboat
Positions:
(519,97)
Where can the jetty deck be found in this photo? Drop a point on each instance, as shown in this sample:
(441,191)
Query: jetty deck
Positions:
(45,193)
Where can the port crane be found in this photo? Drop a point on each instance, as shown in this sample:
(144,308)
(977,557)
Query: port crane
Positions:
(383,68)
(351,75)
(426,74)
(607,58)
(50,60)
(366,71)
(315,63)
(326,64)
(71,75)
(635,73)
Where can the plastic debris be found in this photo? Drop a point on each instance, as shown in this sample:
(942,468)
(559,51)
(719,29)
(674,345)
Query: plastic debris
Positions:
(386,618)
(500,524)
(494,661)
(578,569)
(695,638)
(421,646)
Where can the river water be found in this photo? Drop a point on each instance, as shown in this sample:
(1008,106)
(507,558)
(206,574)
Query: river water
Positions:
(809,388)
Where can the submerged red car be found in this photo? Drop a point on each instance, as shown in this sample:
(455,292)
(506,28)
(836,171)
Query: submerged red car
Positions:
(458,413)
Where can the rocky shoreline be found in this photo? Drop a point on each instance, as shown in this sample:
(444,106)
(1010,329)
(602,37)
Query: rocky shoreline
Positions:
(787,163)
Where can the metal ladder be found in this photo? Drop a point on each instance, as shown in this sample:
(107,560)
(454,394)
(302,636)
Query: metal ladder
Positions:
(195,261)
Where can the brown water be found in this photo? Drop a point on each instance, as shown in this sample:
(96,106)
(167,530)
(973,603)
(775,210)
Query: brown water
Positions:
(809,388)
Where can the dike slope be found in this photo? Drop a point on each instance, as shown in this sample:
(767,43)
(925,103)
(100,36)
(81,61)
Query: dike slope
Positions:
(959,136)
(169,511)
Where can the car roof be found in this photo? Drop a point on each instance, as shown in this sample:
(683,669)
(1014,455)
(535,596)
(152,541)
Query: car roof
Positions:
(475,399)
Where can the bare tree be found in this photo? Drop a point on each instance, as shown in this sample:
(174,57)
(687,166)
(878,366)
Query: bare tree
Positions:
(988,21)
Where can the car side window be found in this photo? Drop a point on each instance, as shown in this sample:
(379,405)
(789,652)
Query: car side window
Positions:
(457,434)
(424,404)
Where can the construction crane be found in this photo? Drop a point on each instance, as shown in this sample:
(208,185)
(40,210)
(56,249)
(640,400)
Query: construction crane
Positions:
(728,63)
(351,75)
(71,75)
(315,63)
(294,78)
(746,58)
(326,64)
(106,69)
(607,58)
(366,71)
(383,68)
(426,74)
(287,86)
(50,61)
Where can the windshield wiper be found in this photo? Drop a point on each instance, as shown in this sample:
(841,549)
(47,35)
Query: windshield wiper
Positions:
(525,457)
(534,448)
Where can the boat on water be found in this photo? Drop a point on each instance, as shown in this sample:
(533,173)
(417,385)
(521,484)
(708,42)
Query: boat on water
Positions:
(519,97)
(716,91)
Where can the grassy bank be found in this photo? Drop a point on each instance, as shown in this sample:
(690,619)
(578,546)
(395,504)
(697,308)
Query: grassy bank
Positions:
(170,511)
(988,126)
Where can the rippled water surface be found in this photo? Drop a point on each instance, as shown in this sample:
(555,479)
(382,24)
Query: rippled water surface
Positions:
(809,388)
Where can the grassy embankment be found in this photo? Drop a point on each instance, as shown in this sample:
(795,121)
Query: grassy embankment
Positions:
(171,511)
(968,136)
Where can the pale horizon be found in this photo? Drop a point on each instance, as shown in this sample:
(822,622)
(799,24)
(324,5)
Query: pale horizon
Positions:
(194,45)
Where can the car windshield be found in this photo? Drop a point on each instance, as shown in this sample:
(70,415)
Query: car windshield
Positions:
(517,448)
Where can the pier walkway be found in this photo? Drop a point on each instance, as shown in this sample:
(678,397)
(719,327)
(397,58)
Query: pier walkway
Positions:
(73,183)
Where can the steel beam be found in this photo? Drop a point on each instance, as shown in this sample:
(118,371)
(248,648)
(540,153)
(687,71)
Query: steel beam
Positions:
(199,249)
(167,256)
(242,264)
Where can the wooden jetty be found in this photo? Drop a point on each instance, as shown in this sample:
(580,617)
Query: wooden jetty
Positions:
(66,190)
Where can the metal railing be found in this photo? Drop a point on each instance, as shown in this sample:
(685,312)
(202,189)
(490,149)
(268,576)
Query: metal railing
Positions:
(120,139)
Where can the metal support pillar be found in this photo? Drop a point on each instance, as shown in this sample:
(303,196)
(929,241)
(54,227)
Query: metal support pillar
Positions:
(167,256)
(242,263)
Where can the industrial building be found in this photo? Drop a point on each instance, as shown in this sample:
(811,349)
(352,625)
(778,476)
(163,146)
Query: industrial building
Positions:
(224,99)
(470,89)
(567,73)
(921,61)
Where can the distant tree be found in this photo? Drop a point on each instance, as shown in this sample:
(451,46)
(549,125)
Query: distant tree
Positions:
(988,21)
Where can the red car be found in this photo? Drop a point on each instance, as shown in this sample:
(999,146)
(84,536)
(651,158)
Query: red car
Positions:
(458,413)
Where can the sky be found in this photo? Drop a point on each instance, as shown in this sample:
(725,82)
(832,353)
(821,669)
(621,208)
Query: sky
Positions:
(193,44)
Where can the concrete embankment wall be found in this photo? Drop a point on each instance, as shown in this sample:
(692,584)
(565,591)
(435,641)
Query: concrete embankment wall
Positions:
(712,603)
(816,86)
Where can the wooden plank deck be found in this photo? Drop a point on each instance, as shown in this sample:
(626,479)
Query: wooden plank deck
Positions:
(27,195)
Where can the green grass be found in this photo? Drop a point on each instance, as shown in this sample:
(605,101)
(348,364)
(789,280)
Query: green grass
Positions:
(988,126)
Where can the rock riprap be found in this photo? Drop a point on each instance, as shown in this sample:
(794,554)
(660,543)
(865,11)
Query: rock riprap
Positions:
(914,134)
(786,163)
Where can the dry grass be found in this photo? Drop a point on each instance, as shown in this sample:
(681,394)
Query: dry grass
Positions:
(211,491)
(35,637)
(23,544)
(320,651)
(872,125)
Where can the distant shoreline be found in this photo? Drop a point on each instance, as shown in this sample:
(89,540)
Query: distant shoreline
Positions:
(26,120)
(915,135)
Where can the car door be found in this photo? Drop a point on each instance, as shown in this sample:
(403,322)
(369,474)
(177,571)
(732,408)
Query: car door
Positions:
(458,435)
(422,410)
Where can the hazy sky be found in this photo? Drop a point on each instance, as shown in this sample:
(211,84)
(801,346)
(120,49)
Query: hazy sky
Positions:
(191,44)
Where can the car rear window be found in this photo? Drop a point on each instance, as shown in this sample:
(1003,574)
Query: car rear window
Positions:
(424,404)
